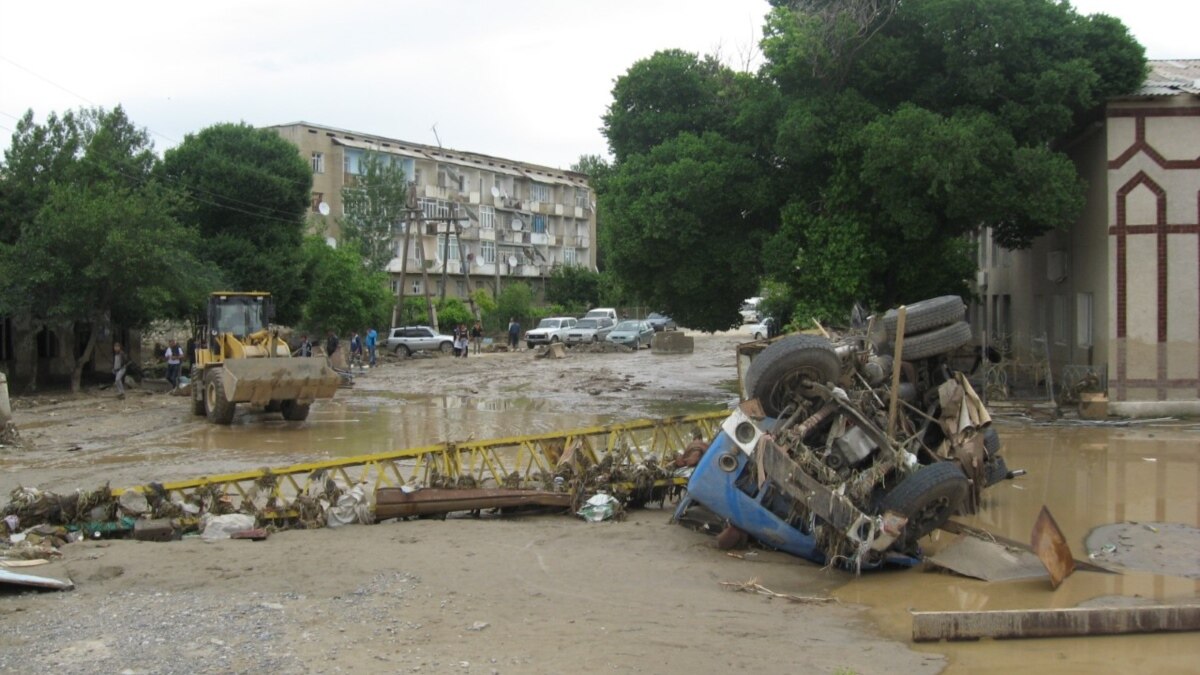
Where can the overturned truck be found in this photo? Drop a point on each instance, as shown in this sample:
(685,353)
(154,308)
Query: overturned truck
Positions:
(840,455)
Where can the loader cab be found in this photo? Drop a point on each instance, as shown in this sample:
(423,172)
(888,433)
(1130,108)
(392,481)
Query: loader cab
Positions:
(239,314)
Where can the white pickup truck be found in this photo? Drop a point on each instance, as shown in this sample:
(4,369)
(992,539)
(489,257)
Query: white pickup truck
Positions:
(550,329)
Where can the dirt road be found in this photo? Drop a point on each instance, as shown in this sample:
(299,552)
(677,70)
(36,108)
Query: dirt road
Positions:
(530,594)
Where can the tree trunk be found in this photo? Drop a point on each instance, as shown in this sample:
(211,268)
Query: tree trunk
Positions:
(77,369)
(28,347)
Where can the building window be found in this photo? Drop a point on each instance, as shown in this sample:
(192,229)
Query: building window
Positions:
(452,253)
(1083,319)
(317,198)
(569,257)
(1059,312)
(395,287)
(416,286)
(487,249)
(318,162)
(487,217)
(539,223)
(434,208)
(581,198)
(540,192)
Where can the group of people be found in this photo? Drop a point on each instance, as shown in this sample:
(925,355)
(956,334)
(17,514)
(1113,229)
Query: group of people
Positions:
(363,350)
(466,339)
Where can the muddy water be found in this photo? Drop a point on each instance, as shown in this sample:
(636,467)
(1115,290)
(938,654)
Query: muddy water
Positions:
(382,422)
(1087,477)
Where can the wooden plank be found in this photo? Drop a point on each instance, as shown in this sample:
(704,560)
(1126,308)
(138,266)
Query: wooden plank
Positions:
(1067,622)
(1051,546)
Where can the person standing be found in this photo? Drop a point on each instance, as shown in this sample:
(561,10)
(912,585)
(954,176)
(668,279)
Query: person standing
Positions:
(477,337)
(514,333)
(356,351)
(305,348)
(461,340)
(174,356)
(331,344)
(120,363)
(372,342)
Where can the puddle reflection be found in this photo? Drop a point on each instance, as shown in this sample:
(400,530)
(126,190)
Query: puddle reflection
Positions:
(1087,477)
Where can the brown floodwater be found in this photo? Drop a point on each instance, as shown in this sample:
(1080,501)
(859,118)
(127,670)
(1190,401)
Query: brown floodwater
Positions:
(1086,476)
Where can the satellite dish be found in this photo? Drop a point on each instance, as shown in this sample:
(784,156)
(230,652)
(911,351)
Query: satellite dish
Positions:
(323,208)
(517,224)
(495,191)
(512,261)
(331,242)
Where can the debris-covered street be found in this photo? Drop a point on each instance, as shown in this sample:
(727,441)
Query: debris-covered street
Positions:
(548,593)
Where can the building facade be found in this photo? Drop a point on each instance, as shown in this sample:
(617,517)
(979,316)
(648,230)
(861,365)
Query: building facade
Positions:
(486,220)
(1116,296)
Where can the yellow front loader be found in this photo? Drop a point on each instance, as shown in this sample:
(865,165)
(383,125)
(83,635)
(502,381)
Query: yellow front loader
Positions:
(239,358)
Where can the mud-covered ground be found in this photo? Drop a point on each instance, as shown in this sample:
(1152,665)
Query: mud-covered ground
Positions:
(529,594)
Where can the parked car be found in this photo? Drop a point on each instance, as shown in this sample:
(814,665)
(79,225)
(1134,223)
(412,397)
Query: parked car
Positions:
(632,334)
(751,310)
(550,329)
(408,339)
(661,321)
(764,330)
(589,330)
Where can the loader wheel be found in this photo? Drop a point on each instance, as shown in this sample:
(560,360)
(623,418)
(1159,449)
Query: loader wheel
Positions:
(927,498)
(785,369)
(293,411)
(197,393)
(219,409)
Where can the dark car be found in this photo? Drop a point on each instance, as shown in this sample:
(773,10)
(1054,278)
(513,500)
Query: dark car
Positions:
(661,322)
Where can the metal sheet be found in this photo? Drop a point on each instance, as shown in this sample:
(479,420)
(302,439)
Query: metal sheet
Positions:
(1051,546)
(32,581)
(988,560)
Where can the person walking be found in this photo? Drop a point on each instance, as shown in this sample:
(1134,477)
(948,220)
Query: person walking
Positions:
(356,351)
(514,333)
(174,355)
(477,337)
(120,364)
(372,342)
(461,340)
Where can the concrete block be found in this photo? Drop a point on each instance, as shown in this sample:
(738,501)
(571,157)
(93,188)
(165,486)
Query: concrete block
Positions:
(672,342)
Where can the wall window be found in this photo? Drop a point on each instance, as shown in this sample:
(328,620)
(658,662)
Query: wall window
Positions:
(1059,312)
(487,249)
(540,192)
(416,286)
(318,162)
(487,217)
(539,223)
(317,198)
(434,208)
(395,287)
(453,247)
(569,257)
(582,199)
(1083,319)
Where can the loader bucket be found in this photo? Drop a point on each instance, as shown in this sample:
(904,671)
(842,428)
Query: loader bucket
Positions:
(263,380)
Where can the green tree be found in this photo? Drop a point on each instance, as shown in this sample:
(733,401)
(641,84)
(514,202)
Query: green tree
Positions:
(103,248)
(38,156)
(515,301)
(343,295)
(451,312)
(882,133)
(375,204)
(576,288)
(249,193)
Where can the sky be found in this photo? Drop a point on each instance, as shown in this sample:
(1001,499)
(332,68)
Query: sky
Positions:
(523,79)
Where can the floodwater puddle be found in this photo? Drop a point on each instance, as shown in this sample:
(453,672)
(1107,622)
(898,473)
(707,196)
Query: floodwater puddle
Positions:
(1087,477)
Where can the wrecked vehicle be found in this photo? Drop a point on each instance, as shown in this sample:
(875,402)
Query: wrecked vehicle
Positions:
(842,457)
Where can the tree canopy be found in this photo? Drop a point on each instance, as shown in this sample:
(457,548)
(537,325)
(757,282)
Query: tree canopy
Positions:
(851,167)
(249,192)
(375,203)
(343,295)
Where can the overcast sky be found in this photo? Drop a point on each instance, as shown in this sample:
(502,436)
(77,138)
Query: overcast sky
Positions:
(522,79)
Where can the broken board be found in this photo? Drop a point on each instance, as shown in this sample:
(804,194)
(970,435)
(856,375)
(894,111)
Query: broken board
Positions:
(1067,622)
(988,560)
(32,581)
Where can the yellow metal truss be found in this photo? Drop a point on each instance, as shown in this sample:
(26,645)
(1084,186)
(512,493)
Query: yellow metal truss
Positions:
(517,461)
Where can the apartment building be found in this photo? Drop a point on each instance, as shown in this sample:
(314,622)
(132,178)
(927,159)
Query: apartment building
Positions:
(487,220)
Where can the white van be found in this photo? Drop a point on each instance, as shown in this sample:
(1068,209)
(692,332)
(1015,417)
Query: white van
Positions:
(602,313)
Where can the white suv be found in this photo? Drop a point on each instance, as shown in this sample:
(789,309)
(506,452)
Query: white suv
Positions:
(551,329)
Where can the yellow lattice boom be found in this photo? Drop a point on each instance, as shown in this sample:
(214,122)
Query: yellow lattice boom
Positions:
(517,461)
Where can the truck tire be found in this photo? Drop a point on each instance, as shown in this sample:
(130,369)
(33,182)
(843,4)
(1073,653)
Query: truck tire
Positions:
(780,374)
(927,498)
(218,408)
(991,441)
(926,315)
(197,393)
(994,471)
(293,411)
(937,341)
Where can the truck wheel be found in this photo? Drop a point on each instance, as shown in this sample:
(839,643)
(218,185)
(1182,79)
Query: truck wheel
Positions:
(926,315)
(991,441)
(994,471)
(218,408)
(784,370)
(927,498)
(293,411)
(197,392)
(529,345)
(937,341)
